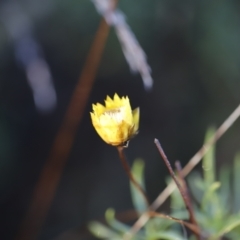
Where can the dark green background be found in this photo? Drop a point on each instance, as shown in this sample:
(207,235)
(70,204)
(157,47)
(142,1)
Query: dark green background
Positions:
(193,48)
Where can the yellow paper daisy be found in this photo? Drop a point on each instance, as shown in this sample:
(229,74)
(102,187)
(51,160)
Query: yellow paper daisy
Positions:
(115,122)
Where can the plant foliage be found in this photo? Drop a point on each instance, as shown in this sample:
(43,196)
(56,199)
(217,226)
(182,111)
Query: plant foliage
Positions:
(216,204)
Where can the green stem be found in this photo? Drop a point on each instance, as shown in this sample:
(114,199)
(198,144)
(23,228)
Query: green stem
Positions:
(129,173)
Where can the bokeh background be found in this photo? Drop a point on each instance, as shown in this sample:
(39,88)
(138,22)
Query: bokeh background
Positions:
(193,48)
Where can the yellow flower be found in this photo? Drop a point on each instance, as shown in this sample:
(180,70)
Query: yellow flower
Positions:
(115,122)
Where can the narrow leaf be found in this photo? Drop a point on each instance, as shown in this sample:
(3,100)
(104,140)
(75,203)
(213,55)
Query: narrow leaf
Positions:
(236,181)
(210,198)
(101,231)
(137,197)
(165,235)
(224,178)
(229,228)
(114,223)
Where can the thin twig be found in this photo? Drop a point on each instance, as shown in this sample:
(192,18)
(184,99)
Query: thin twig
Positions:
(185,189)
(180,188)
(198,156)
(129,173)
(191,226)
(45,189)
(186,193)
(162,197)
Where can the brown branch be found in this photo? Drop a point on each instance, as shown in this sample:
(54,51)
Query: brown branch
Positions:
(191,226)
(45,189)
(129,173)
(162,197)
(186,192)
(180,188)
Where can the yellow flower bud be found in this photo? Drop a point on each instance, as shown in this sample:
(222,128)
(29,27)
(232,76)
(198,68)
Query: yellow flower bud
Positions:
(115,122)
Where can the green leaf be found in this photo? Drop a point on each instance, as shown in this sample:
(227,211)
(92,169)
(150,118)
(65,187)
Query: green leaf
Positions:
(210,202)
(208,163)
(229,227)
(139,201)
(181,214)
(165,235)
(157,224)
(202,219)
(101,231)
(114,223)
(196,186)
(209,192)
(236,181)
(177,202)
(224,191)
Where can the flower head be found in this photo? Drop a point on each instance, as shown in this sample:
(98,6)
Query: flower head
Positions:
(115,122)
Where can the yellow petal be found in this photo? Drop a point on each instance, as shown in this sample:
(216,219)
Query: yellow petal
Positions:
(113,103)
(116,98)
(109,102)
(128,117)
(115,122)
(98,109)
(136,118)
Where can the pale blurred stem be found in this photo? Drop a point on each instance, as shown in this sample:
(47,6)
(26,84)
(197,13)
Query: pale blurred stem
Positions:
(180,188)
(129,173)
(186,193)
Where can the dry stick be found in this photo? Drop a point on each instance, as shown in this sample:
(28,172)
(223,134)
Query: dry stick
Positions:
(191,226)
(129,173)
(162,197)
(186,193)
(45,189)
(185,189)
(180,188)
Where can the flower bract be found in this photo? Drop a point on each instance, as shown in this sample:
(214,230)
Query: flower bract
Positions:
(115,122)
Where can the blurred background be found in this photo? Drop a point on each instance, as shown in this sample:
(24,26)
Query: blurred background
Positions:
(193,50)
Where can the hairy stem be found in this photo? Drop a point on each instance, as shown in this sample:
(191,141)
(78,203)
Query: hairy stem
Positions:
(129,173)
